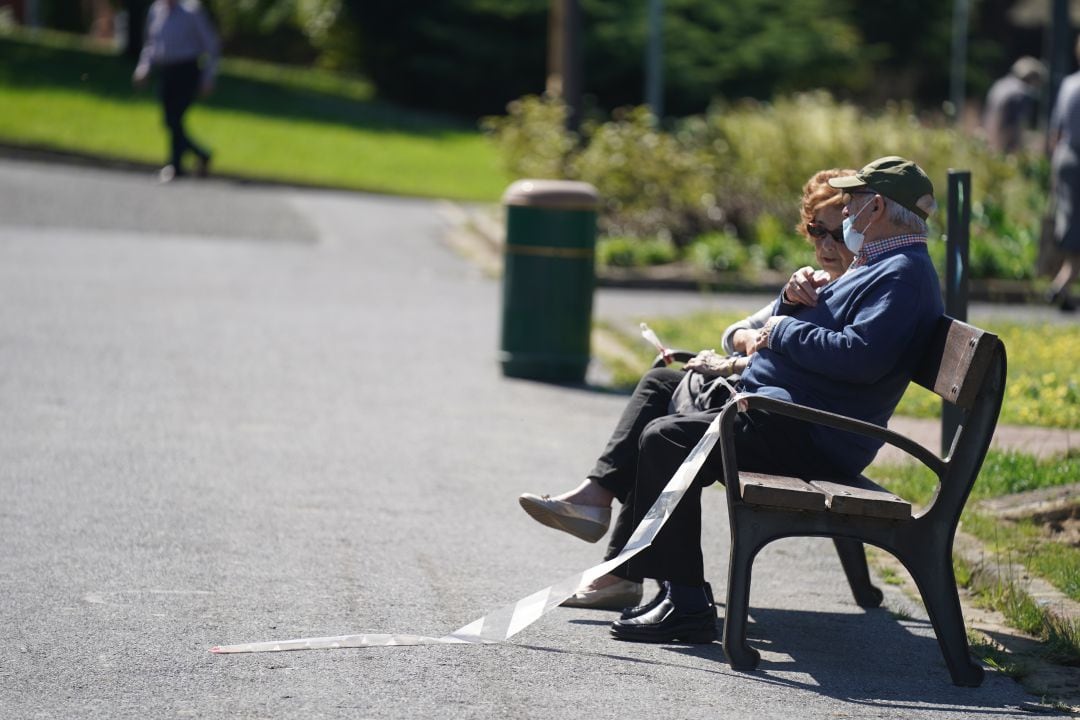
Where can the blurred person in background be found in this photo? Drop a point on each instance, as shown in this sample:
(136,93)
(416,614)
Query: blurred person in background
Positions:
(181,48)
(1011,104)
(1065,187)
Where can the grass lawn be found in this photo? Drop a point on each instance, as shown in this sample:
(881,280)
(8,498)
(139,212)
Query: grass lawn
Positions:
(1024,541)
(263,121)
(1042,387)
(1004,473)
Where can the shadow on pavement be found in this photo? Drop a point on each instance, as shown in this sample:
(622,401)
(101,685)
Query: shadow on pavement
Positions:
(871,659)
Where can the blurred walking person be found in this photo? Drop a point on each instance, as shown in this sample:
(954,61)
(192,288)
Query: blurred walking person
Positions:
(1011,104)
(1065,187)
(182,48)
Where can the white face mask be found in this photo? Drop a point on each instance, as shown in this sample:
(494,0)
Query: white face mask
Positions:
(852,237)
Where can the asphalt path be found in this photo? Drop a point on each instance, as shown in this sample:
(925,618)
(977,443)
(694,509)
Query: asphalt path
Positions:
(233,414)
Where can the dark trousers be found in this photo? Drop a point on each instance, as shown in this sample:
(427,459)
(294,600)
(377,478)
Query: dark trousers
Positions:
(179,84)
(616,469)
(648,446)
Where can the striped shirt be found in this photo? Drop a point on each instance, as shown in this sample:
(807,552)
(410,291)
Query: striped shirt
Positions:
(176,34)
(873,250)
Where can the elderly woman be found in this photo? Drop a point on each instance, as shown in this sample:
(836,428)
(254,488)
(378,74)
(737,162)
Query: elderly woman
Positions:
(585,511)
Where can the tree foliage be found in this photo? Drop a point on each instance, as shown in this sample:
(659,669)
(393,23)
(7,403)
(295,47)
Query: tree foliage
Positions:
(469,56)
(473,56)
(736,48)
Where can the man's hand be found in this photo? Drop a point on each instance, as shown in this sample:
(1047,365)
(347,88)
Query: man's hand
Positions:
(761,340)
(801,289)
(140,77)
(206,87)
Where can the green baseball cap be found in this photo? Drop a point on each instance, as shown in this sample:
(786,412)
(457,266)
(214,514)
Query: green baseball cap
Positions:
(900,180)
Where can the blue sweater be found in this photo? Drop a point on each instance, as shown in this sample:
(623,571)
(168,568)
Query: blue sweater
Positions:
(855,352)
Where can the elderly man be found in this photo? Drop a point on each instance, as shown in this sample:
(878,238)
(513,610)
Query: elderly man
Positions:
(178,35)
(853,353)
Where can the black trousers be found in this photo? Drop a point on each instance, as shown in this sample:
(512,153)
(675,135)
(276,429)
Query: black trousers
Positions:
(179,84)
(648,446)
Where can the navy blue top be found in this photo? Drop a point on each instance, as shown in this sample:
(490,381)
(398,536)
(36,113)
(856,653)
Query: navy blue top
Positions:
(855,352)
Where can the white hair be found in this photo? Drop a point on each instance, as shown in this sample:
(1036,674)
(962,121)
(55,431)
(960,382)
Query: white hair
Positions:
(902,217)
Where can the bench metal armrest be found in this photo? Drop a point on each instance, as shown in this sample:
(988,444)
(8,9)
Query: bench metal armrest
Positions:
(747,401)
(677,355)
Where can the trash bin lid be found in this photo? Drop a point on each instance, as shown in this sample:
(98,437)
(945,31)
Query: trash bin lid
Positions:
(553,194)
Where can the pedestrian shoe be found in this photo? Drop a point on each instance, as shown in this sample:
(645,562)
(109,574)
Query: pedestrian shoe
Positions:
(586,522)
(612,597)
(632,612)
(1060,298)
(666,624)
(167,174)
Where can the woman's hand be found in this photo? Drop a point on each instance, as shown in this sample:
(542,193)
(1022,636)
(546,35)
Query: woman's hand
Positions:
(708,362)
(761,340)
(741,340)
(801,289)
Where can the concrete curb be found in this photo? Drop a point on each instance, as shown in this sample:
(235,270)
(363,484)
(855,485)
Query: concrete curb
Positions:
(988,569)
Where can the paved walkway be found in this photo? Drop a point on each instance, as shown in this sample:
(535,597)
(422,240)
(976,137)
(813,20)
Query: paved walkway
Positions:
(236,413)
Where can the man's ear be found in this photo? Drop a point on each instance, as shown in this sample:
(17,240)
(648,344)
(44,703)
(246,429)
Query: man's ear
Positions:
(879,207)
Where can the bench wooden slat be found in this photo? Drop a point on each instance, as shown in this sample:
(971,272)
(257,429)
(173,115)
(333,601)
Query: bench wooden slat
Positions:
(780,491)
(863,497)
(956,362)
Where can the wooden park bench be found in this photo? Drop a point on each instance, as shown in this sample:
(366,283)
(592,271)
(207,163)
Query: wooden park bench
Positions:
(966,367)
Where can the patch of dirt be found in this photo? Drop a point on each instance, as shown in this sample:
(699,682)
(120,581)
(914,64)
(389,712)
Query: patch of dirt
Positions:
(1061,526)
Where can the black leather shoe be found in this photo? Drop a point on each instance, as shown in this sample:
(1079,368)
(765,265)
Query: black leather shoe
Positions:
(632,612)
(666,624)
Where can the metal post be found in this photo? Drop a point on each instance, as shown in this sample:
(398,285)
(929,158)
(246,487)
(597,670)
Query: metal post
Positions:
(654,60)
(956,277)
(573,80)
(958,78)
(33,13)
(564,79)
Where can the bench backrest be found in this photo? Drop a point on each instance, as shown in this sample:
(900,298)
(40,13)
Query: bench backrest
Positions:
(966,367)
(957,360)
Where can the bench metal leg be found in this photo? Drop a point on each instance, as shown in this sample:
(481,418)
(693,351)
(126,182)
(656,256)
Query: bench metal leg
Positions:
(853,558)
(937,585)
(738,652)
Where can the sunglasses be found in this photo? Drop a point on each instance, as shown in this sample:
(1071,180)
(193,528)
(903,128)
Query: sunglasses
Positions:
(849,196)
(819,231)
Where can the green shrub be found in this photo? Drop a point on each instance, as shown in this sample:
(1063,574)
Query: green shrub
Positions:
(719,252)
(651,182)
(739,169)
(1003,249)
(634,252)
(532,138)
(781,248)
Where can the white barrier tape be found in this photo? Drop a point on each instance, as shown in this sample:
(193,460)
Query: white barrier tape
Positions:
(511,619)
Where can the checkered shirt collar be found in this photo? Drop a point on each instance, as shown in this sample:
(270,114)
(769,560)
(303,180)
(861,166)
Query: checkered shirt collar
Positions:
(873,250)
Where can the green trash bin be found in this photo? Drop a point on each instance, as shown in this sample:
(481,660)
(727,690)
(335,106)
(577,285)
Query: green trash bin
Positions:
(548,279)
